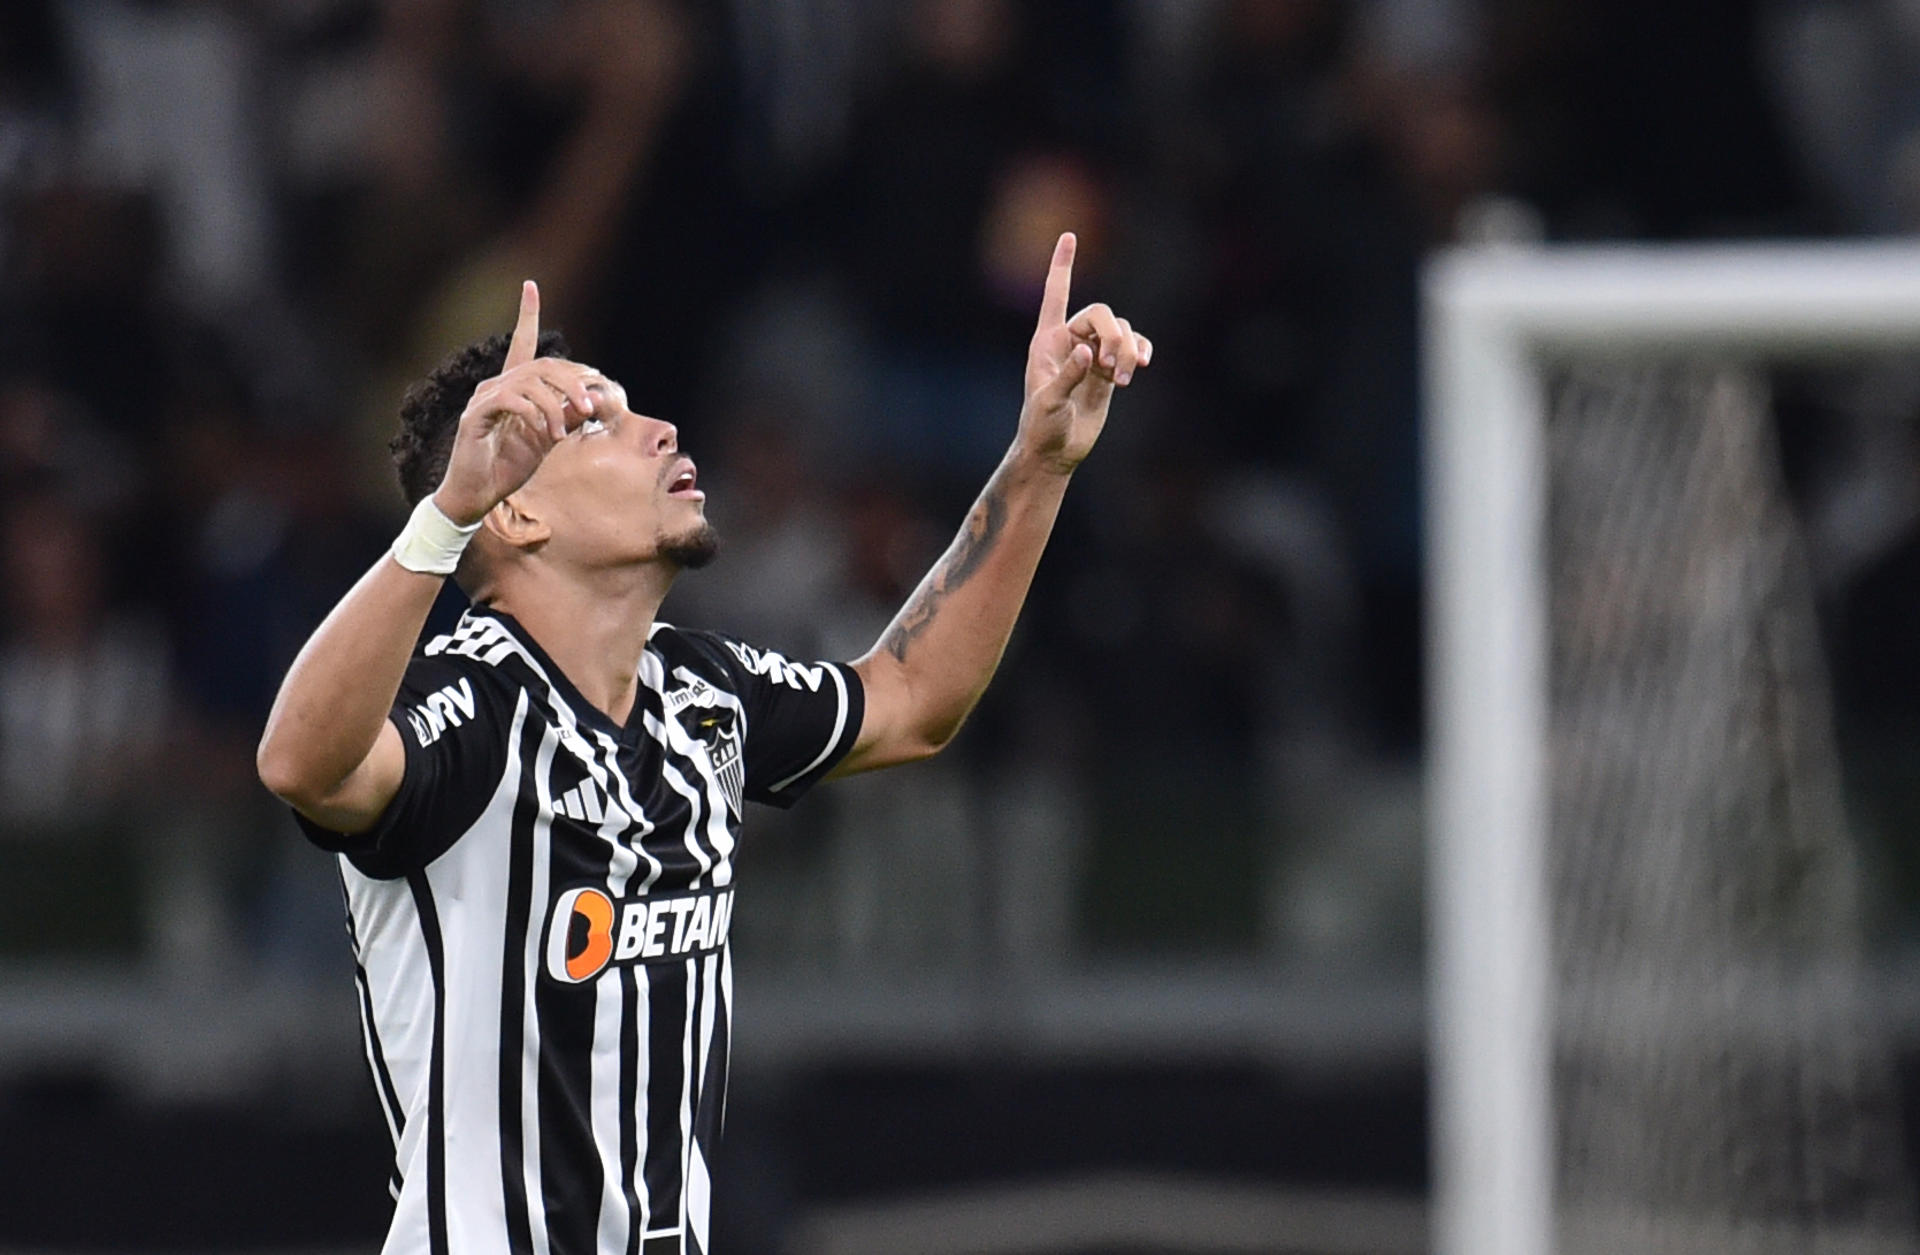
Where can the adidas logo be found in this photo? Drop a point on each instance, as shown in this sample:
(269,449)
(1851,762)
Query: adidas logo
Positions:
(585,801)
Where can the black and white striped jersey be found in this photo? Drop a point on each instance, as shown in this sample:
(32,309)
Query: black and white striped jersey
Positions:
(539,924)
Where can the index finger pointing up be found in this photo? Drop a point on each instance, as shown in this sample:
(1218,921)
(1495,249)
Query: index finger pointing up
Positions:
(1053,303)
(526,331)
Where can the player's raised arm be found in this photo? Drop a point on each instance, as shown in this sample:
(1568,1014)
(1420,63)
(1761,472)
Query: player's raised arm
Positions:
(328,748)
(934,660)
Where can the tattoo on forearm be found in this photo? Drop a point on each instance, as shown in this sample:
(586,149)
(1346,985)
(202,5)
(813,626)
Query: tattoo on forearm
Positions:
(956,567)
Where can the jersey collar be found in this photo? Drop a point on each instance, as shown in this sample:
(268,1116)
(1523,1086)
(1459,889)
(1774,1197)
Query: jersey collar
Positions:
(646,698)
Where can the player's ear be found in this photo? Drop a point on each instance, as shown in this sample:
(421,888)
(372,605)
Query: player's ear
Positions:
(517,523)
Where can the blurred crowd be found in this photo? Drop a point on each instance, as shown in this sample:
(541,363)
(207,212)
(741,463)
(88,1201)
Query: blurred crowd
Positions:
(811,233)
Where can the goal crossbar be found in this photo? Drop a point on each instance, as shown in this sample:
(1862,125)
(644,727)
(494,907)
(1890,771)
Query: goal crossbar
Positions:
(1491,317)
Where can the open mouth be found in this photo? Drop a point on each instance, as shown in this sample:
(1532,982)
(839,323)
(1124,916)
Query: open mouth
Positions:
(683,484)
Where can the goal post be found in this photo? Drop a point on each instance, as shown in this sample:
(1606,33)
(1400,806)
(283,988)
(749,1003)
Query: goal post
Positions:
(1495,318)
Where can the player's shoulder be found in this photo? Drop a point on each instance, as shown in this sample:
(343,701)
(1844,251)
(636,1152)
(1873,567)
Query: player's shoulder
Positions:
(728,659)
(479,655)
(460,684)
(699,650)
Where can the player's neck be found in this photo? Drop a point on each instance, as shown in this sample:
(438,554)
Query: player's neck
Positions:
(594,629)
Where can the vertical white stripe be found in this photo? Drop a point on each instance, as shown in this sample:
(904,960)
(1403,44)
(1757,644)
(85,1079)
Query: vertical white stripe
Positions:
(604,1107)
(603,769)
(671,736)
(726,1009)
(698,1189)
(634,848)
(642,1074)
(678,783)
(686,1090)
(375,1065)
(400,983)
(530,1024)
(690,837)
(470,887)
(709,988)
(699,1194)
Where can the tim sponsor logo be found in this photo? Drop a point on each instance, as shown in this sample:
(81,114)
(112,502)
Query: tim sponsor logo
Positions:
(588,931)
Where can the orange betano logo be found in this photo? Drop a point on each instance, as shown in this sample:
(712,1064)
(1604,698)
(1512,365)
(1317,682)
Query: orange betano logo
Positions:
(580,911)
(582,939)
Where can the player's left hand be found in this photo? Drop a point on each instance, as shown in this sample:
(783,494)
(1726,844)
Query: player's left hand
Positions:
(1073,366)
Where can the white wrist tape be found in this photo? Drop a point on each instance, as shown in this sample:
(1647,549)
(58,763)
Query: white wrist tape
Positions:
(431,543)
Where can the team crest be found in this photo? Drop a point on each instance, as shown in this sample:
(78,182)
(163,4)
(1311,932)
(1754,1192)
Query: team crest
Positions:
(717,728)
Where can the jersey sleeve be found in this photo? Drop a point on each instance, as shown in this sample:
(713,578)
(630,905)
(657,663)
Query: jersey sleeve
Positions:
(453,728)
(802,718)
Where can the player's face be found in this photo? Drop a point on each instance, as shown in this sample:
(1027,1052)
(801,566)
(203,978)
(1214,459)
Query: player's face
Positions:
(618,491)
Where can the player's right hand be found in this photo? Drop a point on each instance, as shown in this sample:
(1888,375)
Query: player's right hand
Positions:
(513,421)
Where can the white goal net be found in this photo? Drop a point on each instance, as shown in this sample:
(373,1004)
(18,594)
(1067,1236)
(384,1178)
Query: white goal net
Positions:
(1649,1033)
(1717,1085)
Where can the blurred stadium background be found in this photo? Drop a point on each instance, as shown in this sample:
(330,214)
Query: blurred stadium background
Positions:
(1138,964)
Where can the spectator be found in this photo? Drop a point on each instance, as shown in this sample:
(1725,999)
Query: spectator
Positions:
(83,687)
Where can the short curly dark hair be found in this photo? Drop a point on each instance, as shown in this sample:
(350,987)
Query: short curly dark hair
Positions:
(430,412)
